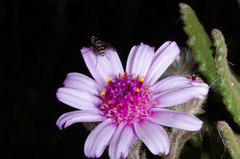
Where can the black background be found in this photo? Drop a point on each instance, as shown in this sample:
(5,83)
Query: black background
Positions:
(40,42)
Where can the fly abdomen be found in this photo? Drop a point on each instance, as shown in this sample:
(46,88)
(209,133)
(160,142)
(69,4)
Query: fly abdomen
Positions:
(102,52)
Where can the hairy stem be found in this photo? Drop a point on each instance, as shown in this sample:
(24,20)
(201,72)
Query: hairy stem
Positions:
(230,139)
(230,88)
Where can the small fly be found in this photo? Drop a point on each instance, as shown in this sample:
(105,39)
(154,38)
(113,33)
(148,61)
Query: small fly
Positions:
(99,47)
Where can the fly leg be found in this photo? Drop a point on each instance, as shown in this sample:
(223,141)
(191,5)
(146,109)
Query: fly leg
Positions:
(107,56)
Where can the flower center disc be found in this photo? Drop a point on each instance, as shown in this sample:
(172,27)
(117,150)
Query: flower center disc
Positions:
(126,99)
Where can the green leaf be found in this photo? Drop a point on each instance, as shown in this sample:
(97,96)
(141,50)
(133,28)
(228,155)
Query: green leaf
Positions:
(200,44)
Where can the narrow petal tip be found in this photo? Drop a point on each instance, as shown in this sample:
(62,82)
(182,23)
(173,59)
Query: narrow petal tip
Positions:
(176,119)
(84,49)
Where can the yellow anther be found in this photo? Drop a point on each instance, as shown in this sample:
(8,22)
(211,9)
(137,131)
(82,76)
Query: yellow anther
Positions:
(108,115)
(106,86)
(110,102)
(139,111)
(119,105)
(105,105)
(148,96)
(91,119)
(109,79)
(120,76)
(132,99)
(141,79)
(139,103)
(103,95)
(120,118)
(126,147)
(137,90)
(93,37)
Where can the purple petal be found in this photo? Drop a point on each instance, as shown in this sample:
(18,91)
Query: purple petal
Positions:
(115,62)
(153,136)
(100,67)
(172,82)
(99,138)
(122,140)
(163,57)
(174,97)
(78,99)
(139,59)
(79,116)
(176,119)
(82,82)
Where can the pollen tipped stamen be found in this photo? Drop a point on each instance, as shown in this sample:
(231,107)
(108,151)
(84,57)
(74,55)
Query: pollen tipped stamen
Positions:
(137,77)
(119,105)
(131,77)
(110,82)
(120,77)
(127,99)
(102,95)
(137,90)
(106,87)
(125,75)
(141,82)
(110,102)
(139,103)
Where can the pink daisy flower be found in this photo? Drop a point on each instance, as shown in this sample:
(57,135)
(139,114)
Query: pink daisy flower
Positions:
(130,104)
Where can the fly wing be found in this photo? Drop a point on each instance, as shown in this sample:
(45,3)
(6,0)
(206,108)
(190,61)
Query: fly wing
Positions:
(108,46)
(95,50)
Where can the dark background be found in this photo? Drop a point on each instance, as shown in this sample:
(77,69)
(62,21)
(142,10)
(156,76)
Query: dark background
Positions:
(40,42)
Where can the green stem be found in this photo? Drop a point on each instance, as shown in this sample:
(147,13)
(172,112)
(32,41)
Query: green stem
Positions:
(230,88)
(230,140)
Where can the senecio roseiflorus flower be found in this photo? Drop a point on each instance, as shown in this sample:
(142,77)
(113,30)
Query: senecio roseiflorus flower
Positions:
(129,104)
